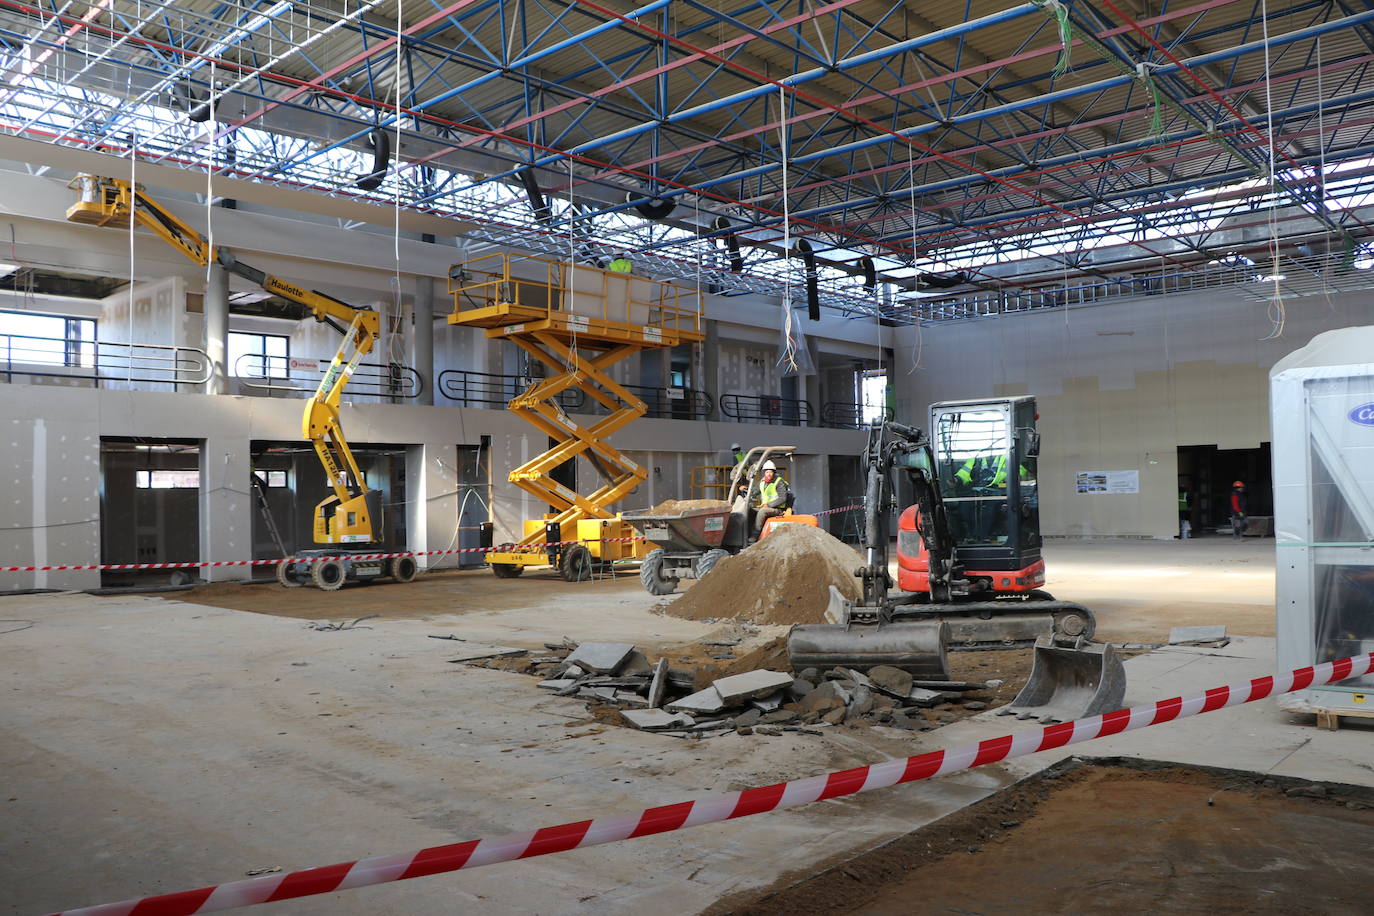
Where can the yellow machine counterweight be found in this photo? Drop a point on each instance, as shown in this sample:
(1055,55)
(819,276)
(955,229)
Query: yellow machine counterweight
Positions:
(578,321)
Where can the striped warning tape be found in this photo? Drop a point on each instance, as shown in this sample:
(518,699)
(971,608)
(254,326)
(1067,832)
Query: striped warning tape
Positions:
(509,548)
(714,808)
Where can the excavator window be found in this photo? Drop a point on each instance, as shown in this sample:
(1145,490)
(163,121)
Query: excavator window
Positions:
(974,461)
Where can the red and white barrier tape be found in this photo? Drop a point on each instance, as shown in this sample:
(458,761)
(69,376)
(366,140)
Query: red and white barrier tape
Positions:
(510,548)
(714,808)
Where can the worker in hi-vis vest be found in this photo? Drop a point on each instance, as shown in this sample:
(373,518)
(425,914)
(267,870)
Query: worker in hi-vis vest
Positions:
(986,472)
(621,264)
(774,496)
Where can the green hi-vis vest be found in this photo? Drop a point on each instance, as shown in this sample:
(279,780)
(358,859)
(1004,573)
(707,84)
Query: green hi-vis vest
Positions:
(998,465)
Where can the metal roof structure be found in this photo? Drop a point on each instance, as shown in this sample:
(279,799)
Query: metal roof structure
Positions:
(984,154)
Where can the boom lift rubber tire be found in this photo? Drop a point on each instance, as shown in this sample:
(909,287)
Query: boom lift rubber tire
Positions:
(506,570)
(328,575)
(403,569)
(576,564)
(284,576)
(708,560)
(651,574)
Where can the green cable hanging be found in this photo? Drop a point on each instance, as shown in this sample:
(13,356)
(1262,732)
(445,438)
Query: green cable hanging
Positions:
(1061,16)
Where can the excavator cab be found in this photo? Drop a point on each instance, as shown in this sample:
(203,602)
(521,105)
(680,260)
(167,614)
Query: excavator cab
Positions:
(986,456)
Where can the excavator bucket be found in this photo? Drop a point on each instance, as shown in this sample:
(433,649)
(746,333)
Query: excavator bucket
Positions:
(915,647)
(1070,681)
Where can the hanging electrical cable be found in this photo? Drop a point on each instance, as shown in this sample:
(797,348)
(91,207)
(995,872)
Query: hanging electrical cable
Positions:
(789,343)
(1277,311)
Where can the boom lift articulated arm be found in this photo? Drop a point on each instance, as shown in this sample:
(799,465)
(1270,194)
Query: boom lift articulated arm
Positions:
(893,446)
(352,514)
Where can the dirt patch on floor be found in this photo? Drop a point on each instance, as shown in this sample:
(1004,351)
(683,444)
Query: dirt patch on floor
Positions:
(449,591)
(783,579)
(1129,838)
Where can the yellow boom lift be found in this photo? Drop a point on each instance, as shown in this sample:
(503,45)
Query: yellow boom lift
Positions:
(579,321)
(353,513)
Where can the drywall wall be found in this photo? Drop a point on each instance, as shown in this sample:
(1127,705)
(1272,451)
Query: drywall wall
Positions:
(1120,387)
(51,513)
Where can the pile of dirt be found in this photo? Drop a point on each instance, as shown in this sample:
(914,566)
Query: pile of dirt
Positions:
(679,506)
(783,579)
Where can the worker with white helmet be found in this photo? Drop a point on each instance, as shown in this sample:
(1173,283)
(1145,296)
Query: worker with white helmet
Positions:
(775,496)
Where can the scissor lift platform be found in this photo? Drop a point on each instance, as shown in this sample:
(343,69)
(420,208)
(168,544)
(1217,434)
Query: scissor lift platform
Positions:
(579,321)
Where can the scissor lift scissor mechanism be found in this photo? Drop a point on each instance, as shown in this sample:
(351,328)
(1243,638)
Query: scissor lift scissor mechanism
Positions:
(579,322)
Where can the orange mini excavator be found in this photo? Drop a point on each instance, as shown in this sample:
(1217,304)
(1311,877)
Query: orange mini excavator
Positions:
(968,544)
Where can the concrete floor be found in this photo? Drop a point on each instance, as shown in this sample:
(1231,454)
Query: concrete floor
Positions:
(152,745)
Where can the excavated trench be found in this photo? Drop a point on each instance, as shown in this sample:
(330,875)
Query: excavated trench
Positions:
(1112,835)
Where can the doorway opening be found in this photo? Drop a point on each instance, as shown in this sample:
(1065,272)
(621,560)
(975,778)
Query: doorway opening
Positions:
(149,508)
(1205,476)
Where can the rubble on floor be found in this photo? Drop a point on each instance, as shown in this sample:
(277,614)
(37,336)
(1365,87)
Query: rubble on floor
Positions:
(757,695)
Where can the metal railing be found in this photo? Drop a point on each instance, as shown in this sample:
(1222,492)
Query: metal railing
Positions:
(766,408)
(489,389)
(101,361)
(843,415)
(280,373)
(673,403)
(548,285)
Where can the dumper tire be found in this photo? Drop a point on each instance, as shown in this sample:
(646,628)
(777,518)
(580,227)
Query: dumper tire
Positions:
(708,560)
(576,564)
(651,574)
(328,575)
(506,570)
(403,569)
(284,575)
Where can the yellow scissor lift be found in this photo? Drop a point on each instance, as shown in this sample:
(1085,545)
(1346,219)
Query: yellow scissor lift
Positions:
(579,321)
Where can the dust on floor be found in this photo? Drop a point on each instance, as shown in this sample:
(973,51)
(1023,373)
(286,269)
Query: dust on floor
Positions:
(434,593)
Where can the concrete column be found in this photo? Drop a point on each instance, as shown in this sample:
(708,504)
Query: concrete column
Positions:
(423,357)
(431,500)
(812,389)
(710,367)
(216,344)
(226,507)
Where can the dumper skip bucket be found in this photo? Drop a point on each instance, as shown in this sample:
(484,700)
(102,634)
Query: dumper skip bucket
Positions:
(1070,681)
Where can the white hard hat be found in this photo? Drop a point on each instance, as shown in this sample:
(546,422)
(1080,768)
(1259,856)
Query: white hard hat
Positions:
(734,446)
(769,466)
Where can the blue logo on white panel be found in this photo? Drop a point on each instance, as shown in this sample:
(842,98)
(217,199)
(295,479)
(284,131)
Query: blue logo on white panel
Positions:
(1363,415)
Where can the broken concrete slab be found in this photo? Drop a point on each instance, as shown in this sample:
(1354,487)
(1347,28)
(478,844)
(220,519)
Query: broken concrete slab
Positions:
(703,701)
(601,657)
(557,683)
(653,719)
(921,697)
(473,651)
(1184,636)
(740,687)
(834,717)
(829,690)
(891,680)
(768,703)
(779,716)
(748,718)
(799,688)
(629,698)
(659,684)
(636,666)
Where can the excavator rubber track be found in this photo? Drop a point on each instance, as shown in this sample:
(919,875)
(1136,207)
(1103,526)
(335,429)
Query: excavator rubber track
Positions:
(1002,623)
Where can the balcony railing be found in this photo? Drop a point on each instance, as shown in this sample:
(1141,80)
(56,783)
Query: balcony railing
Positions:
(279,373)
(843,415)
(673,403)
(489,389)
(765,408)
(99,362)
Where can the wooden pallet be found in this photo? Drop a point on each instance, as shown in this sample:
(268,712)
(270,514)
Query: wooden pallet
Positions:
(1330,719)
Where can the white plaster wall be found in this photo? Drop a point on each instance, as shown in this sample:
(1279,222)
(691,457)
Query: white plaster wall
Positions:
(1120,387)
